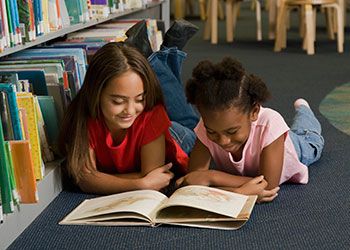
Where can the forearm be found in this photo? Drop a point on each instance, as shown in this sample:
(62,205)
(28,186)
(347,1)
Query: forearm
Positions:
(101,183)
(222,179)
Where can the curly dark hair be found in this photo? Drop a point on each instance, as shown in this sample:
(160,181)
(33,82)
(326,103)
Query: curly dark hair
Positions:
(223,85)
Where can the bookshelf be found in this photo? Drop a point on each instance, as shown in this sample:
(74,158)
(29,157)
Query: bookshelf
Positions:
(48,188)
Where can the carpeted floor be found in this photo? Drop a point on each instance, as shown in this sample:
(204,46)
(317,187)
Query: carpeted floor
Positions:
(336,108)
(312,216)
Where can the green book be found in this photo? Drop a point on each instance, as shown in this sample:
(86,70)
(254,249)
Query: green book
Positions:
(5,182)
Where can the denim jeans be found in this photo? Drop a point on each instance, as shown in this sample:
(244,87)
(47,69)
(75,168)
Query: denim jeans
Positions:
(305,133)
(167,64)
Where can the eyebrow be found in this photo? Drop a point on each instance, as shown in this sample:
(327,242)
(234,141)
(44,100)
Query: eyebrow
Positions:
(125,97)
(232,128)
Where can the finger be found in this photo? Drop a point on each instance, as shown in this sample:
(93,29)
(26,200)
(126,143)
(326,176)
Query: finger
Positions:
(268,199)
(167,166)
(269,193)
(171,175)
(179,181)
(257,179)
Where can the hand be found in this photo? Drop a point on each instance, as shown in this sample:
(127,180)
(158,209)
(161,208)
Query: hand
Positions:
(199,177)
(268,195)
(253,187)
(158,178)
(257,186)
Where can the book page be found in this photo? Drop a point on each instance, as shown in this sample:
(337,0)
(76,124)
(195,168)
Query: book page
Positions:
(140,202)
(209,199)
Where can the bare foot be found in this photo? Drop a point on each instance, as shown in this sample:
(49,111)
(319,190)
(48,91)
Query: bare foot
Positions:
(299,102)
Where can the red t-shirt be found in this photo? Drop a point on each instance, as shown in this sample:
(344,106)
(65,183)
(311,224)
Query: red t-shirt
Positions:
(126,157)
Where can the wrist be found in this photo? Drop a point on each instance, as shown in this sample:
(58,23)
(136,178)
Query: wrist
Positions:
(141,183)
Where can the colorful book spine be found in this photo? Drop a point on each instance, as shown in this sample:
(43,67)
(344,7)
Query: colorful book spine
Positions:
(5,185)
(5,23)
(10,90)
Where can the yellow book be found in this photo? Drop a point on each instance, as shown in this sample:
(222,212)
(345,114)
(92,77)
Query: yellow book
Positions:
(24,171)
(26,101)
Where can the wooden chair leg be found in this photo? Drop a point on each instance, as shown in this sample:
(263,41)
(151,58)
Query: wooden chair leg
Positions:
(272,18)
(220,10)
(279,26)
(340,26)
(236,5)
(214,21)
(207,27)
(202,10)
(309,19)
(329,20)
(229,20)
(179,11)
(258,20)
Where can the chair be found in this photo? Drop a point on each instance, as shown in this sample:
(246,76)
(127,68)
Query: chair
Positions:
(232,9)
(308,21)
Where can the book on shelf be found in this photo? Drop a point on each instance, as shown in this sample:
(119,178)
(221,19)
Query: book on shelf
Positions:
(5,178)
(11,101)
(27,102)
(24,171)
(193,206)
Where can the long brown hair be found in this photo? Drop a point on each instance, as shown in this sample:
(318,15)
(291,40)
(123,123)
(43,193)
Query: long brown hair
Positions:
(110,61)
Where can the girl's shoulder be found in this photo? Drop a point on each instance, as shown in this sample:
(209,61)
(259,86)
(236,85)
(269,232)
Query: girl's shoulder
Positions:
(268,115)
(157,115)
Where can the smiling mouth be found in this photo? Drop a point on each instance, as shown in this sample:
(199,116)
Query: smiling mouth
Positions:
(126,118)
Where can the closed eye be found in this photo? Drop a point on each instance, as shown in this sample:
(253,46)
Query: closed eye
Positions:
(231,132)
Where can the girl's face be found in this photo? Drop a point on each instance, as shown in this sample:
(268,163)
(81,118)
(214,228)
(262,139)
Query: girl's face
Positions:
(229,128)
(122,101)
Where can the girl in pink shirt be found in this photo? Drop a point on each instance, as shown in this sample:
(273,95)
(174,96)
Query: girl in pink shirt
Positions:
(253,149)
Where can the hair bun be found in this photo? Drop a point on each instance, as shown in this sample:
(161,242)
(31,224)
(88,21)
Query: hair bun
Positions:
(203,71)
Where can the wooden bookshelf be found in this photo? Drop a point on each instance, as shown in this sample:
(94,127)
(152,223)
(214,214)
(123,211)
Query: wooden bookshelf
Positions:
(51,185)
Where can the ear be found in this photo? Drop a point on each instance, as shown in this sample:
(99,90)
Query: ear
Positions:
(254,113)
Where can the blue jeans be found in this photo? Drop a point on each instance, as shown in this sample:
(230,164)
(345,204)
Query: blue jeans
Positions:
(167,64)
(306,135)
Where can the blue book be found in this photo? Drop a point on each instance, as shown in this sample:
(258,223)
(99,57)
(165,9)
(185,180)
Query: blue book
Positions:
(10,90)
(35,77)
(38,17)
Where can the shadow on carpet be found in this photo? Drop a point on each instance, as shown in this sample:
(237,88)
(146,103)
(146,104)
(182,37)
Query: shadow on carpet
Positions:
(336,108)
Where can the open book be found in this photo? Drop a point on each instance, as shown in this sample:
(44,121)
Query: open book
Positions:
(193,206)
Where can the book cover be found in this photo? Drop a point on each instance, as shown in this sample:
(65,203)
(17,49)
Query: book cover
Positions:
(26,101)
(24,171)
(193,206)
(46,152)
(48,109)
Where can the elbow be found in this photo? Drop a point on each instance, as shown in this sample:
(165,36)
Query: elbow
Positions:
(85,184)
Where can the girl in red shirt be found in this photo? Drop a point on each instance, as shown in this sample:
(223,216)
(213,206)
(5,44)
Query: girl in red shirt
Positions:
(115,134)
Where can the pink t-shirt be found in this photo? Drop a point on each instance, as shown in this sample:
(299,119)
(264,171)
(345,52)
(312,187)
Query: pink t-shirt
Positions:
(267,128)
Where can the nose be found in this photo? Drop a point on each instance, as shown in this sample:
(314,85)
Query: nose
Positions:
(223,140)
(130,108)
